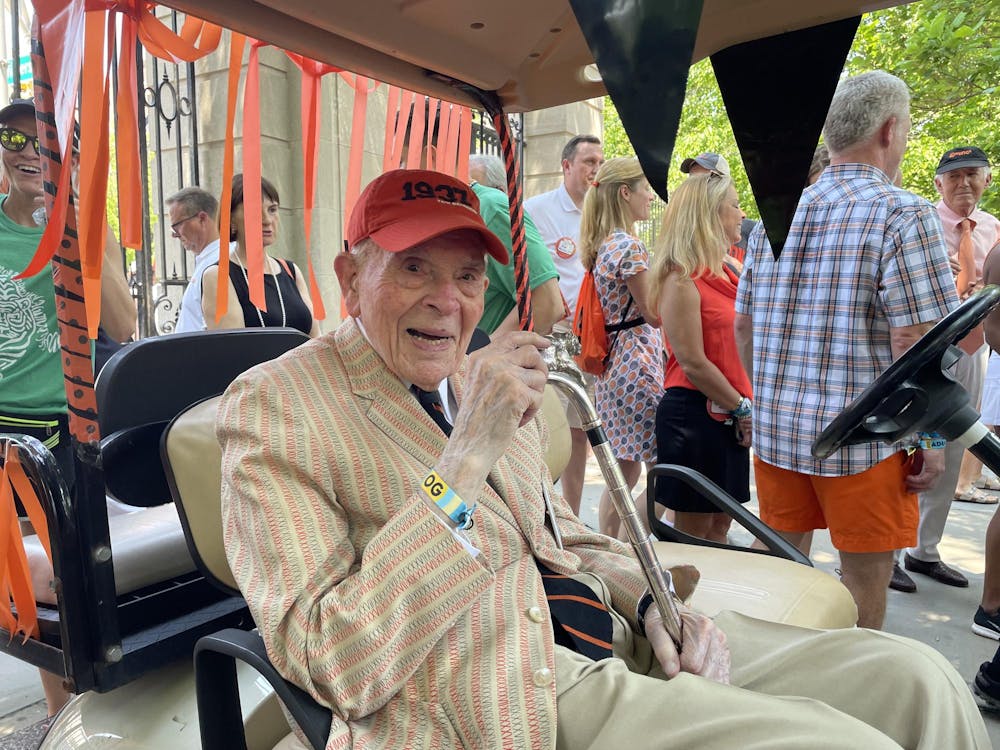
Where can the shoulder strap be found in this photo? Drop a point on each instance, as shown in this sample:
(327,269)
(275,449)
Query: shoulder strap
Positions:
(285,264)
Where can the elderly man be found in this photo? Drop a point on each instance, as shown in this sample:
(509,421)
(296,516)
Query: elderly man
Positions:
(489,183)
(963,174)
(192,213)
(863,275)
(391,521)
(557,215)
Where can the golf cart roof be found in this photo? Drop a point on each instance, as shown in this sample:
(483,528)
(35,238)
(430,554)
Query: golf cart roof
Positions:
(531,52)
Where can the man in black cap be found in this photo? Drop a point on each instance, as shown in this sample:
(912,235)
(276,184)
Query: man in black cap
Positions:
(962,175)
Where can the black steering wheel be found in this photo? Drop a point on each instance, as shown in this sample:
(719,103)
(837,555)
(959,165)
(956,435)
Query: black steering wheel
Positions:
(915,393)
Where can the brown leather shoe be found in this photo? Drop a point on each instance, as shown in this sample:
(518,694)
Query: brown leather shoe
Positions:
(937,570)
(900,581)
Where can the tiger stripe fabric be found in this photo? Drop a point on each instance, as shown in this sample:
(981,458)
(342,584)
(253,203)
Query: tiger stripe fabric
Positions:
(362,596)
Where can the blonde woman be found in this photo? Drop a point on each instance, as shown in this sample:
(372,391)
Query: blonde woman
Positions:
(703,420)
(630,388)
(286,295)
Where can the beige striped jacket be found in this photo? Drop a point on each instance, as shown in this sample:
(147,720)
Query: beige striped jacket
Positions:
(361,594)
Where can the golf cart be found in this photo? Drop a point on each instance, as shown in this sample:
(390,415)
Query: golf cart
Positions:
(127,646)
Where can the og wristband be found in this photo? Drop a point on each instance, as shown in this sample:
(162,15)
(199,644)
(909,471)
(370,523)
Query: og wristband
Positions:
(445,498)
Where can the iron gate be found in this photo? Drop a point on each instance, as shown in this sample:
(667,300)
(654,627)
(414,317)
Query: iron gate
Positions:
(168,148)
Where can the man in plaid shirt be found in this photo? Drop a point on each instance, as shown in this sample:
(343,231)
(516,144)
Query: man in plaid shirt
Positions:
(863,274)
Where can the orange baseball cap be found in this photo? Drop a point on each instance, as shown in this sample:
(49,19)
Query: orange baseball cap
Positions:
(406,207)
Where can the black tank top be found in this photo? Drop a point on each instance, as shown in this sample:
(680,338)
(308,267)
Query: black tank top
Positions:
(297,315)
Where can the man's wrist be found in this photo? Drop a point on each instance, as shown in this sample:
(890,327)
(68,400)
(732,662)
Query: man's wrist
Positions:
(447,501)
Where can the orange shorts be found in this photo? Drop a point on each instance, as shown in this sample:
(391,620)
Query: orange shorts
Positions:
(866,512)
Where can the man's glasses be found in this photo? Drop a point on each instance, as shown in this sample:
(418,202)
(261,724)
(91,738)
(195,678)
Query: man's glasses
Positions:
(176,224)
(15,140)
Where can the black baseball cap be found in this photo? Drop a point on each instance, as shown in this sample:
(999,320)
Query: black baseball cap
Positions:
(960,157)
(27,107)
(17,107)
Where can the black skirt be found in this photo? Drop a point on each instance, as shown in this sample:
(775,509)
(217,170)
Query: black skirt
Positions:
(687,436)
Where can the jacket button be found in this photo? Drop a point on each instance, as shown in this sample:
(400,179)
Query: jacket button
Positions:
(535,614)
(542,677)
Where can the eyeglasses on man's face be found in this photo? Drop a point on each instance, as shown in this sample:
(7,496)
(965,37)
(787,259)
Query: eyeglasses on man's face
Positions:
(14,140)
(177,224)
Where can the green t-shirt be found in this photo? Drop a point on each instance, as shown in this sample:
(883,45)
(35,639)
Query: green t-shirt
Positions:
(501,295)
(31,378)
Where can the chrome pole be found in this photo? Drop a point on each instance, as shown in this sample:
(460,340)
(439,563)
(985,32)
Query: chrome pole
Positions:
(566,376)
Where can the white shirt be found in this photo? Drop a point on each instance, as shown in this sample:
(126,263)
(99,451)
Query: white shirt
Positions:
(558,221)
(191,317)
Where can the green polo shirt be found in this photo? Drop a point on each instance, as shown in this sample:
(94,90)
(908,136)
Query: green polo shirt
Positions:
(501,295)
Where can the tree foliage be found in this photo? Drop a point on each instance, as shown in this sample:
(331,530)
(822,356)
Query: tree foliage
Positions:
(947,51)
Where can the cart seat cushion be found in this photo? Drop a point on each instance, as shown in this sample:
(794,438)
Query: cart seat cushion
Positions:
(192,458)
(763,586)
(147,547)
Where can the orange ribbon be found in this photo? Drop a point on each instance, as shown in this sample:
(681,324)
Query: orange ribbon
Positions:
(236,45)
(62,26)
(15,575)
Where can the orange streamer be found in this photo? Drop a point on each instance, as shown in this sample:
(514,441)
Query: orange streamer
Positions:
(416,139)
(391,117)
(14,570)
(353,188)
(312,73)
(464,144)
(237,43)
(252,218)
(62,27)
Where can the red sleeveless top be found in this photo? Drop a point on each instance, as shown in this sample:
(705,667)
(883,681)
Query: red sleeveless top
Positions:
(718,312)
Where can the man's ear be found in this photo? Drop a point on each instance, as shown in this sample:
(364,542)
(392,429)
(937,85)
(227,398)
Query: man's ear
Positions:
(565,165)
(989,179)
(937,185)
(345,266)
(887,133)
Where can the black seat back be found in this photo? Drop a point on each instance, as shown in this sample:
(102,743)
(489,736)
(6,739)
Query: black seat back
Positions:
(147,383)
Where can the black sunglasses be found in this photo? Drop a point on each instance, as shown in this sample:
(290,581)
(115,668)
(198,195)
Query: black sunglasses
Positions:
(15,140)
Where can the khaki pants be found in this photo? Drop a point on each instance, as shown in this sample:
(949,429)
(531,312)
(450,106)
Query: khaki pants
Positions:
(792,688)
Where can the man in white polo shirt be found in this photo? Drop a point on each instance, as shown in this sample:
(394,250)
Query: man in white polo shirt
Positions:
(192,213)
(557,216)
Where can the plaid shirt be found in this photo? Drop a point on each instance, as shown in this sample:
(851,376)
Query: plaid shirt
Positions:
(862,256)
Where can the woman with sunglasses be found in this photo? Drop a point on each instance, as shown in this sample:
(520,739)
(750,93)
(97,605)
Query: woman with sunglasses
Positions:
(286,296)
(703,420)
(33,395)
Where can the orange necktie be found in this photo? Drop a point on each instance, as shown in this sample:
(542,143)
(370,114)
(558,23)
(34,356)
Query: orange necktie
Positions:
(966,260)
(966,282)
